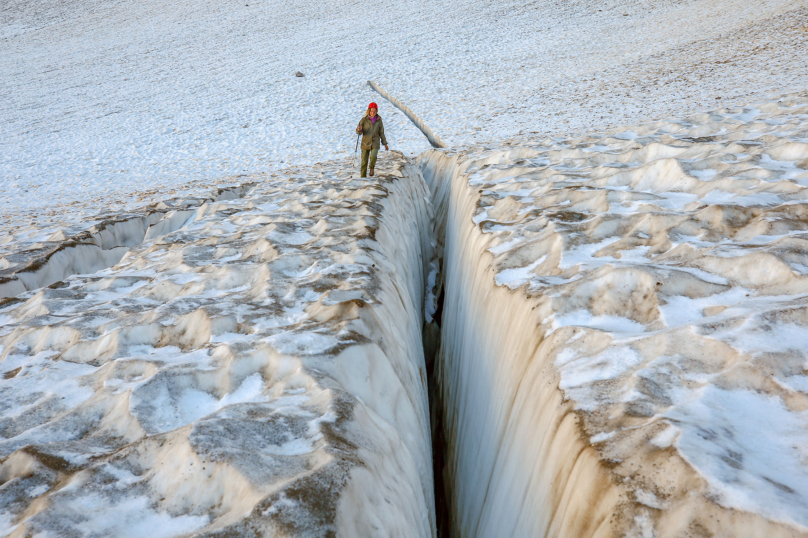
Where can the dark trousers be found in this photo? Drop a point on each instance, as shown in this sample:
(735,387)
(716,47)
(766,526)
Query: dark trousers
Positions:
(372,153)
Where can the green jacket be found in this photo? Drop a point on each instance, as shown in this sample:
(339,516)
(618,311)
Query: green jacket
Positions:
(372,132)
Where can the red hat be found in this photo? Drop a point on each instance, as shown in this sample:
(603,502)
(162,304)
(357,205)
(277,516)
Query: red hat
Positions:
(373,105)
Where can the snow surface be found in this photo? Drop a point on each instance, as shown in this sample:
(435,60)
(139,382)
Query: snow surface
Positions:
(660,281)
(245,362)
(111,106)
(36,258)
(259,369)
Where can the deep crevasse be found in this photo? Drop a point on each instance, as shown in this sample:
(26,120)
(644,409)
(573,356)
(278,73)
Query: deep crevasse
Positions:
(517,465)
(610,302)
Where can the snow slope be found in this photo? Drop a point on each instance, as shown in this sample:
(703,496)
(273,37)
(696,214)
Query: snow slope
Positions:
(129,103)
(624,326)
(258,371)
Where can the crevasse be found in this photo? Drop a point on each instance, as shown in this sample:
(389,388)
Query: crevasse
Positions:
(516,464)
(621,354)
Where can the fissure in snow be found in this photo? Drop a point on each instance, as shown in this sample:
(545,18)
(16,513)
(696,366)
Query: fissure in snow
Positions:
(614,345)
(101,243)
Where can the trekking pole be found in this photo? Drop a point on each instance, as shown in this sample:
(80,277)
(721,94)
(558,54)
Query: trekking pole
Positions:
(358,136)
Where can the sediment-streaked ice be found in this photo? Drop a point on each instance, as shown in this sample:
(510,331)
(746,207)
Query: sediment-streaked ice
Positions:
(258,371)
(625,329)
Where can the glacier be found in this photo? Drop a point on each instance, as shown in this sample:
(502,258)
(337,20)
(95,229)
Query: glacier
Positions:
(590,336)
(575,322)
(258,371)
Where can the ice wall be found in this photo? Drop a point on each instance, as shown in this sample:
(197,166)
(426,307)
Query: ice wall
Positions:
(258,372)
(623,339)
(515,455)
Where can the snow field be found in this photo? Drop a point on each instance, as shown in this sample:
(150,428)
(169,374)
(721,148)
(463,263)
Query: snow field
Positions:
(249,322)
(125,104)
(624,328)
(259,370)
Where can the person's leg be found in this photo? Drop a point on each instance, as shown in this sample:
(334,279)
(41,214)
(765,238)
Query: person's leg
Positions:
(364,168)
(373,154)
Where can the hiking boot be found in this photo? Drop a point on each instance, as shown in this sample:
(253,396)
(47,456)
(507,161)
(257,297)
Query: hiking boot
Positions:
(372,172)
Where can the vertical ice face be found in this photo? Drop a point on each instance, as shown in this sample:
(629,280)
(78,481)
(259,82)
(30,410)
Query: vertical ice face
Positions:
(624,329)
(258,372)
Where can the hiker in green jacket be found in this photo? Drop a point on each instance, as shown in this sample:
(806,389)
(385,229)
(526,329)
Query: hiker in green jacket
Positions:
(372,130)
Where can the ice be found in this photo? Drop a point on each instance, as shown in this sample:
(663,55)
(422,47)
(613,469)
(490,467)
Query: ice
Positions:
(584,318)
(513,278)
(608,365)
(505,246)
(131,518)
(584,253)
(720,434)
(628,342)
(649,499)
(259,368)
(167,408)
(681,310)
(756,337)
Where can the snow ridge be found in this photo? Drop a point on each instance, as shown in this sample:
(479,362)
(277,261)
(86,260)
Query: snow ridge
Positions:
(418,122)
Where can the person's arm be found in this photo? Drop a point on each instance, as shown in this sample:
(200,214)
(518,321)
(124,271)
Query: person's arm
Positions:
(381,134)
(359,127)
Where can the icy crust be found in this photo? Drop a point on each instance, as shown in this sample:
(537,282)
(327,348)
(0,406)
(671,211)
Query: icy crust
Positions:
(257,373)
(51,250)
(666,267)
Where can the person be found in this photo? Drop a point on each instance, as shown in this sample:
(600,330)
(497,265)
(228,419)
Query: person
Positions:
(371,128)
